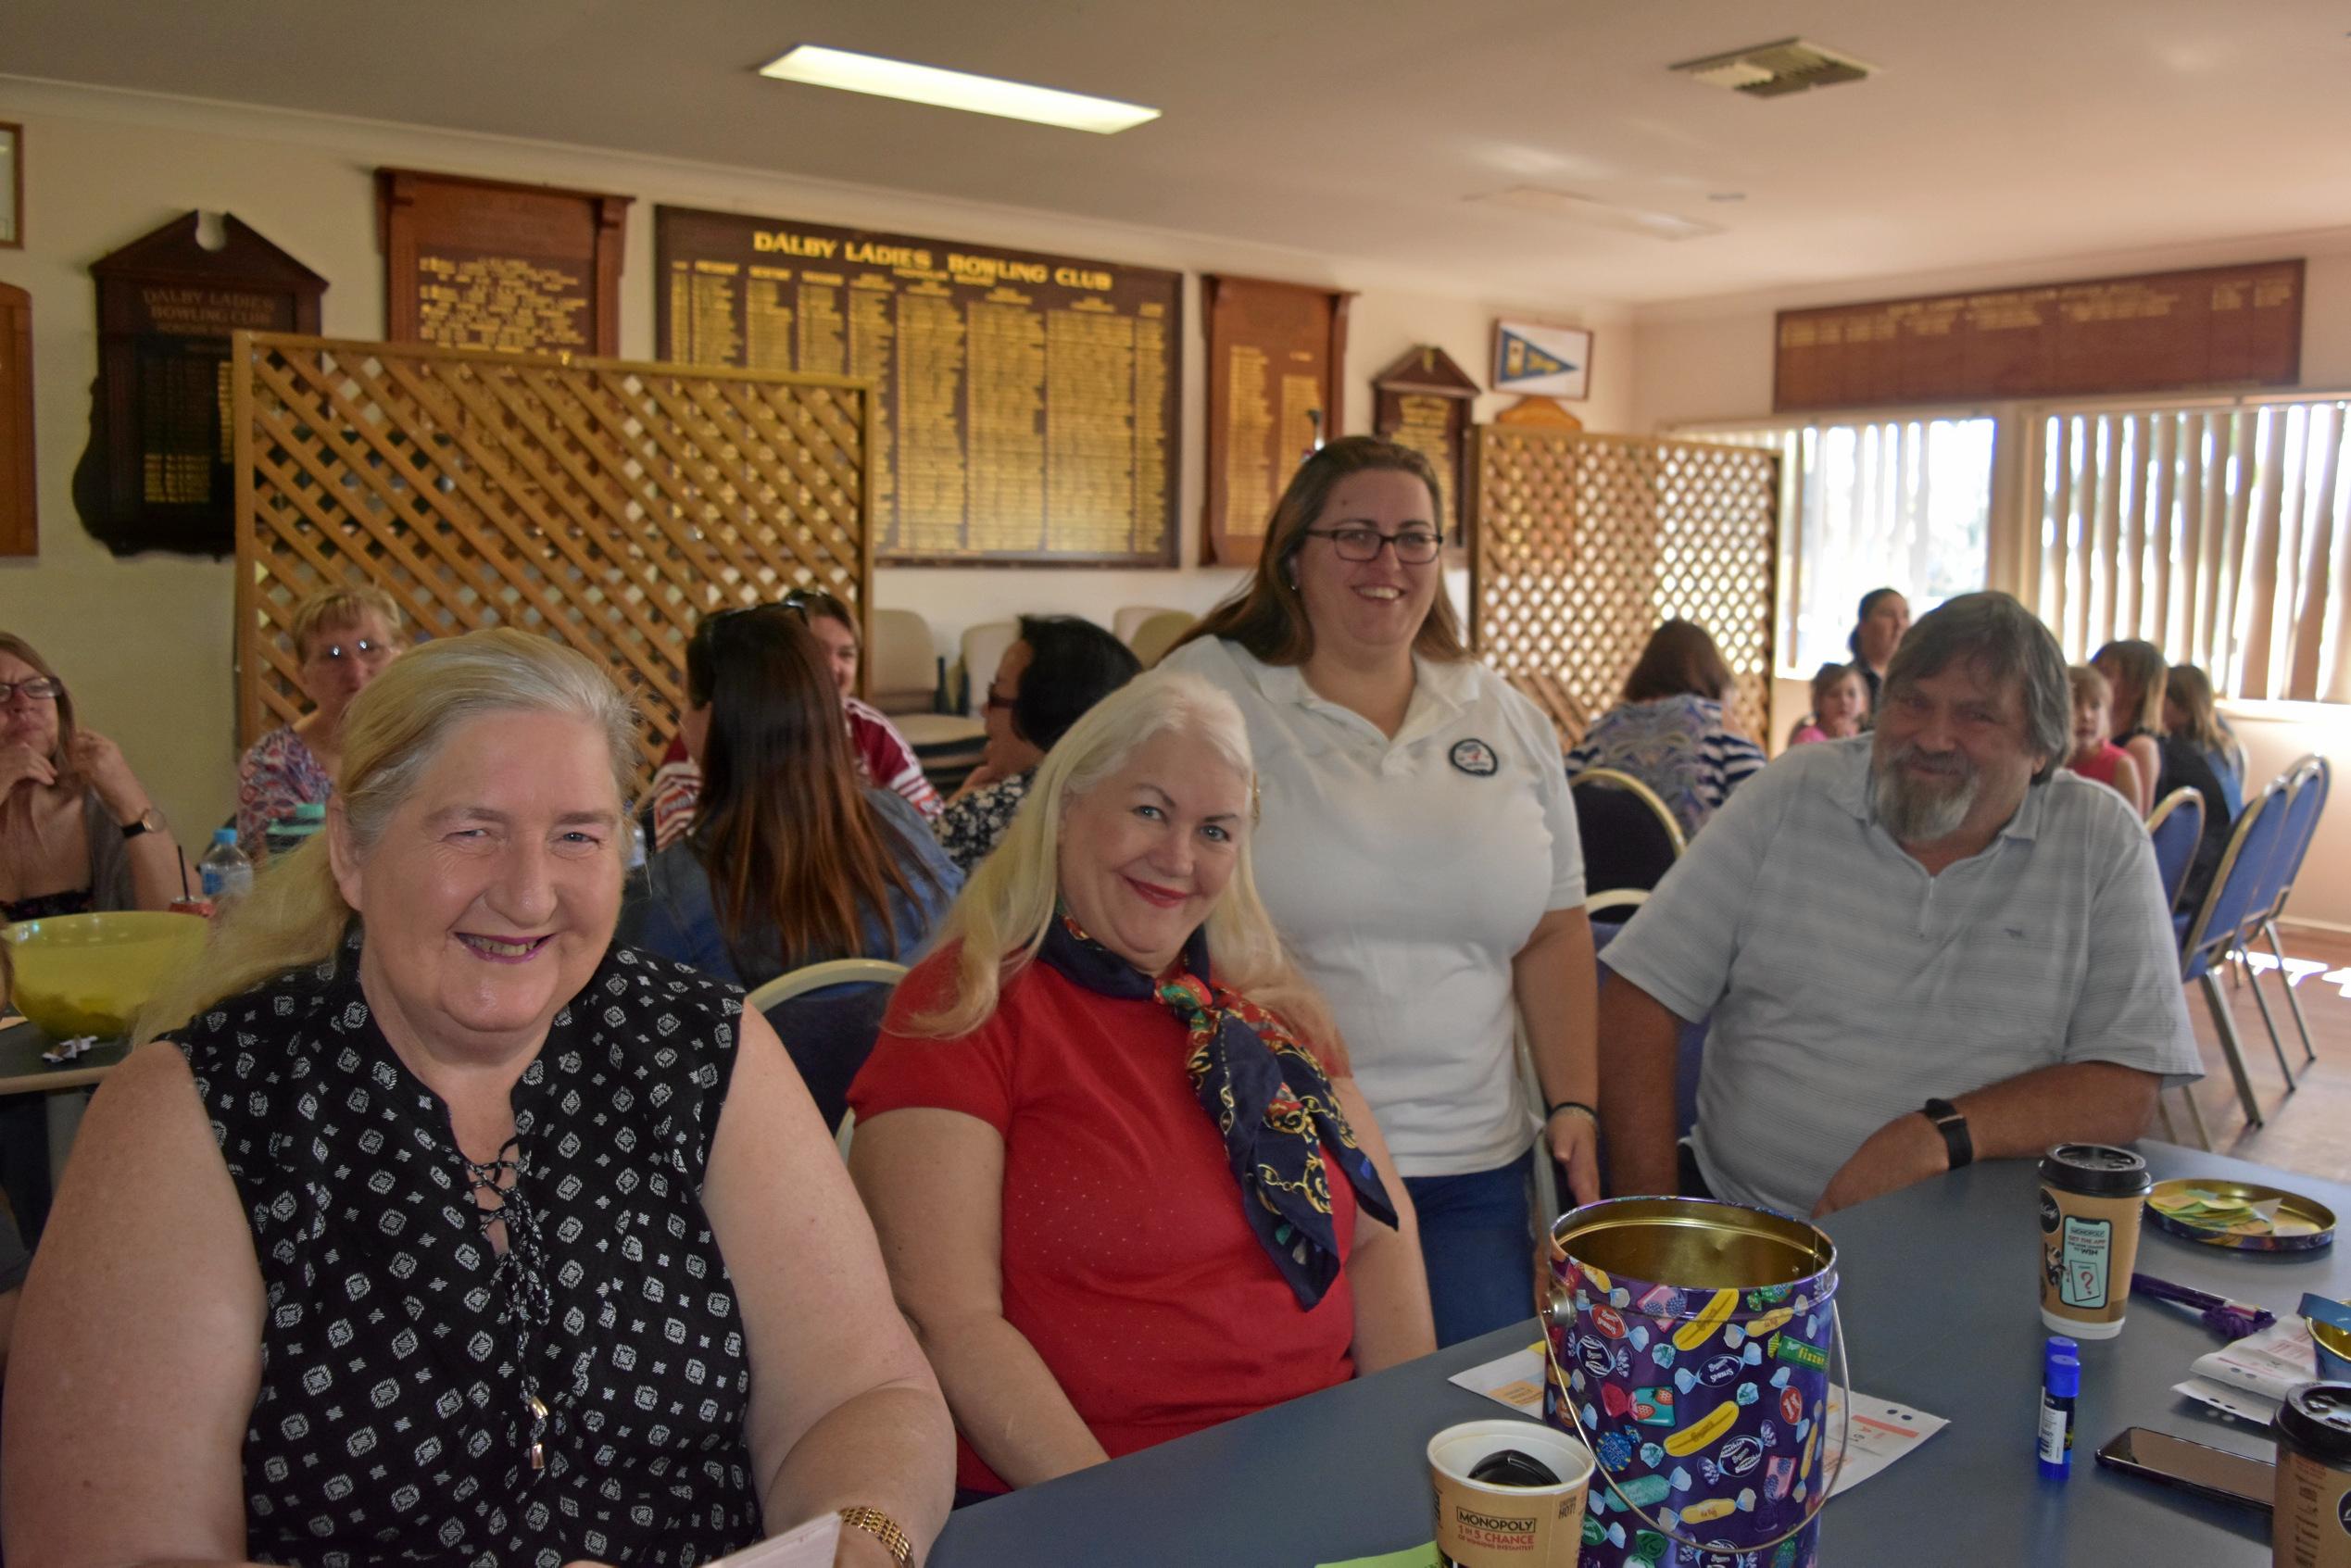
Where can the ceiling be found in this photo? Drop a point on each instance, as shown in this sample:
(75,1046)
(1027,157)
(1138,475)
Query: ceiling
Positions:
(1997,131)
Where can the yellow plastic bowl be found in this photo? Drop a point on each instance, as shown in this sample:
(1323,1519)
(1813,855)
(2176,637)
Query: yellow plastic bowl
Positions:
(90,974)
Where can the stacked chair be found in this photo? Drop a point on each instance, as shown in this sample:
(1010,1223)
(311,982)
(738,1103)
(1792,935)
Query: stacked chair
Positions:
(2248,893)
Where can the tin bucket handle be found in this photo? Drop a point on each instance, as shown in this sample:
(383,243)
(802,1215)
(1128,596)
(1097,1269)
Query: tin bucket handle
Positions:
(1559,1312)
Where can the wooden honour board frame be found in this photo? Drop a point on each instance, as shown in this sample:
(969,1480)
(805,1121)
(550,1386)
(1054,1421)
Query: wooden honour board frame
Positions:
(1424,401)
(19,507)
(2204,328)
(1273,336)
(561,249)
(867,287)
(158,474)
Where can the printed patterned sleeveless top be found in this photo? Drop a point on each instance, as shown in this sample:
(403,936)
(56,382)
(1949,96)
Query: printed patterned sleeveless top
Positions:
(406,1363)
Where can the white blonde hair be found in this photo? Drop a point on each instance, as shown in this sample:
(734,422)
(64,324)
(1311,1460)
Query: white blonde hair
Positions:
(1005,910)
(295,914)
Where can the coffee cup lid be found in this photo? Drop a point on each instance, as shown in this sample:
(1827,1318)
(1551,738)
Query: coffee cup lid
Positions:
(2094,1167)
(2318,1416)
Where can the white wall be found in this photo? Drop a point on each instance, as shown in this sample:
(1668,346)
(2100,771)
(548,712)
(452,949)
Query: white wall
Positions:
(1711,360)
(145,642)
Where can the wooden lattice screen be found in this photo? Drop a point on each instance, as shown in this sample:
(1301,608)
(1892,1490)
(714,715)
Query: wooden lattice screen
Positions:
(1582,543)
(608,504)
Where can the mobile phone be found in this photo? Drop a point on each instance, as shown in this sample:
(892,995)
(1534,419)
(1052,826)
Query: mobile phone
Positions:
(2193,1467)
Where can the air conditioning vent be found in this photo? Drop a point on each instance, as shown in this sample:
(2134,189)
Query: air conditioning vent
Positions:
(1771,70)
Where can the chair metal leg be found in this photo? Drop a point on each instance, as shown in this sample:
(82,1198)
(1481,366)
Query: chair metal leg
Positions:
(2269,1022)
(2309,1053)
(2195,1115)
(2226,1028)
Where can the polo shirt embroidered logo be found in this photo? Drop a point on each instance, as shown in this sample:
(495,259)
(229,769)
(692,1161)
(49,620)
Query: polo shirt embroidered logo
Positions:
(1474,757)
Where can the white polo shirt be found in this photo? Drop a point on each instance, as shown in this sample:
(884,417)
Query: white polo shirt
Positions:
(1847,986)
(1405,874)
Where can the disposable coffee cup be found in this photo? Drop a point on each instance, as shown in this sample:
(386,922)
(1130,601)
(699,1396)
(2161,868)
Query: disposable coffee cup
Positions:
(2091,1195)
(1481,1525)
(2310,1519)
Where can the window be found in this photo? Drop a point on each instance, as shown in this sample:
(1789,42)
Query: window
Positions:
(1868,504)
(2218,530)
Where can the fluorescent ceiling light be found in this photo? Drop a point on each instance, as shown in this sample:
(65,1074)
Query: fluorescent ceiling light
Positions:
(1605,214)
(819,66)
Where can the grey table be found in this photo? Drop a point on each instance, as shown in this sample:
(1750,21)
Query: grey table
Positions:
(37,1121)
(1942,1312)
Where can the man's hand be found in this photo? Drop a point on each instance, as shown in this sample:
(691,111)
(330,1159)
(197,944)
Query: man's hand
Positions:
(20,764)
(1573,1139)
(1905,1151)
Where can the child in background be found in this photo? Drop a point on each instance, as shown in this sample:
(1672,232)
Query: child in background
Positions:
(1840,702)
(2095,757)
(2191,715)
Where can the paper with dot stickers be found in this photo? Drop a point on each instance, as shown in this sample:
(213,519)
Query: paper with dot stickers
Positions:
(1703,1401)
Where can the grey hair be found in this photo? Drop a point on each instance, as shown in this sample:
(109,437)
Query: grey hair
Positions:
(1999,640)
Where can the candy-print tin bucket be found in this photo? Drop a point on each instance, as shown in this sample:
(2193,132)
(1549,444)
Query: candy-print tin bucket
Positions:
(1689,1344)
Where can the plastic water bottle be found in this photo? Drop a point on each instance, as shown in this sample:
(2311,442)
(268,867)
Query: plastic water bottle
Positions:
(226,873)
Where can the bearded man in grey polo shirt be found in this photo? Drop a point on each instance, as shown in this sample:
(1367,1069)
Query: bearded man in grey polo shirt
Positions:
(1916,947)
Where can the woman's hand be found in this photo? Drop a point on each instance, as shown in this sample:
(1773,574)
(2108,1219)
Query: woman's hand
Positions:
(19,764)
(101,761)
(977,779)
(1573,1138)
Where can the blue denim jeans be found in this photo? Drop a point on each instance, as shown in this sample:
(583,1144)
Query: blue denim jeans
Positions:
(1477,1239)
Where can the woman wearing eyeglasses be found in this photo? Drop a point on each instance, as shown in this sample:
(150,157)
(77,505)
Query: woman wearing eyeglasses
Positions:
(1418,853)
(343,638)
(77,830)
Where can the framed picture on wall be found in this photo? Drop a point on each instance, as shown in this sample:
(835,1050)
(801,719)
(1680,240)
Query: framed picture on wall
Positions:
(1534,360)
(11,186)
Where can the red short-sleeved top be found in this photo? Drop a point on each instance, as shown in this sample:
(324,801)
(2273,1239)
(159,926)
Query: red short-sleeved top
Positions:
(1127,1261)
(2101,765)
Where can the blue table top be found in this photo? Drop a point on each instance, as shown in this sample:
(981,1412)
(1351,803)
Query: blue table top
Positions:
(1942,1312)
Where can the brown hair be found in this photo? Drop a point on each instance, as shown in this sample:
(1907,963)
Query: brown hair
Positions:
(61,758)
(2188,685)
(1265,615)
(2141,663)
(1679,660)
(342,607)
(814,602)
(1826,679)
(785,832)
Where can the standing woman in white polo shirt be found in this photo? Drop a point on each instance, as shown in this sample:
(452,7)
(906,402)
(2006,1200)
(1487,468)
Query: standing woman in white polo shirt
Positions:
(1418,853)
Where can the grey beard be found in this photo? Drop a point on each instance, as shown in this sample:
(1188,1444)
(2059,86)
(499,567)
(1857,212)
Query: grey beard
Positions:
(1913,814)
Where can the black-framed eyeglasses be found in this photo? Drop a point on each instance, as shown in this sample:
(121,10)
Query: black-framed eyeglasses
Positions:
(39,688)
(1414,547)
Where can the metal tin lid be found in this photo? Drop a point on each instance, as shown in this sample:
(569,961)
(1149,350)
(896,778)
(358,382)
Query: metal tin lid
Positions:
(2096,1170)
(2317,1416)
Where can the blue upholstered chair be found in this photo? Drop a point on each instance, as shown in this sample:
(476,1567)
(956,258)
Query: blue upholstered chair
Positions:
(2177,827)
(2230,906)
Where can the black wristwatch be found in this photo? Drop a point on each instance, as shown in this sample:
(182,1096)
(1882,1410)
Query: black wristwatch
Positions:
(148,821)
(1952,1124)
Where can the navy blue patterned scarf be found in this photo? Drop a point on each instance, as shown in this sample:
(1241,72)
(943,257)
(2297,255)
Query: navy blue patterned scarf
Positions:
(1267,1095)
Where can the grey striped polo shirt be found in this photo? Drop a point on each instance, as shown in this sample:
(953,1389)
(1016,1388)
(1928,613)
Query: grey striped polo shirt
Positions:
(1847,986)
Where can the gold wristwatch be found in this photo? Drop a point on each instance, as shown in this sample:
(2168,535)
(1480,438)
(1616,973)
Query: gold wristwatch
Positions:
(883,1528)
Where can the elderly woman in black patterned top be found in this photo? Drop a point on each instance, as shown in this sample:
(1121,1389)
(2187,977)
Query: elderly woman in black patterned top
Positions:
(467,1219)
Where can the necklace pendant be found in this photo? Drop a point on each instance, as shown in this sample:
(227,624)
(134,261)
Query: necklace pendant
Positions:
(538,1431)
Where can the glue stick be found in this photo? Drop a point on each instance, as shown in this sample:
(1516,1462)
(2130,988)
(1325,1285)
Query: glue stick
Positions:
(2060,1382)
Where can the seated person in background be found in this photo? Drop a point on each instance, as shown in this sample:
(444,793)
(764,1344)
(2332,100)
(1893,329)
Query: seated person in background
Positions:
(1840,702)
(1669,732)
(2093,755)
(883,756)
(1878,628)
(343,637)
(2192,717)
(77,830)
(484,1239)
(1989,942)
(2138,678)
(1059,666)
(792,859)
(1109,1042)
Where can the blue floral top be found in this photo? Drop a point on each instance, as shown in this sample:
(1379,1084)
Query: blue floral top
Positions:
(1677,747)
